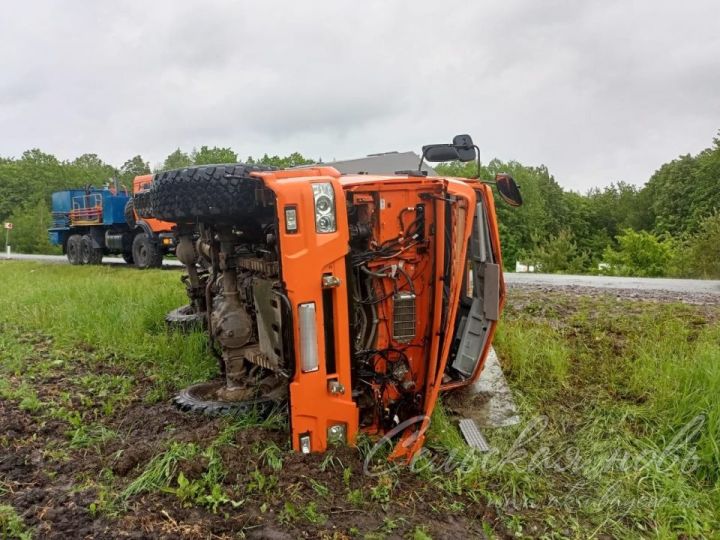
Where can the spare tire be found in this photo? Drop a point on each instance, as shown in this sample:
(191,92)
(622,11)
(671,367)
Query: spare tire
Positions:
(130,213)
(210,193)
(141,204)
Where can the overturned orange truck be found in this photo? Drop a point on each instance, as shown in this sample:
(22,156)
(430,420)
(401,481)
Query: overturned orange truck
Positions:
(352,300)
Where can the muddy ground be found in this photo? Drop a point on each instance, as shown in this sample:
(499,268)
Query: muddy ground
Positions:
(64,486)
(61,490)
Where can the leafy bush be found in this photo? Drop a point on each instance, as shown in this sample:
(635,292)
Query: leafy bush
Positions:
(29,235)
(702,255)
(558,254)
(639,254)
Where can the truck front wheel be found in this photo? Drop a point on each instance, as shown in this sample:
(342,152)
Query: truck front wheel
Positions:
(73,249)
(146,253)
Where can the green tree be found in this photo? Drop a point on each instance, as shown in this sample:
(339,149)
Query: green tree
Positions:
(293,160)
(639,254)
(683,192)
(176,160)
(558,254)
(133,167)
(211,156)
(30,224)
(702,253)
(89,169)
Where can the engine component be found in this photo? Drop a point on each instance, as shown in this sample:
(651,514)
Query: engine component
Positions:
(116,241)
(232,328)
(403,317)
(269,323)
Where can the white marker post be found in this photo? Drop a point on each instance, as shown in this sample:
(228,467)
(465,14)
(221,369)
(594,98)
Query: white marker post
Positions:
(8,227)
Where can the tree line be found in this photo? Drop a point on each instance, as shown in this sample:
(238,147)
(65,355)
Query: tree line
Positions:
(26,184)
(668,227)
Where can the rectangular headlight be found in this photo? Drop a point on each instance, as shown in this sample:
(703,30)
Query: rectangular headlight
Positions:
(291,224)
(305,446)
(308,337)
(324,196)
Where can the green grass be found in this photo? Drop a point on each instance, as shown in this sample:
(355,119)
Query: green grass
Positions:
(604,388)
(620,423)
(159,473)
(114,313)
(11,525)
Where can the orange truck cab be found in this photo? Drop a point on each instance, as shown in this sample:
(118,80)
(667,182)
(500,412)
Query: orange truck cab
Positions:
(152,238)
(354,300)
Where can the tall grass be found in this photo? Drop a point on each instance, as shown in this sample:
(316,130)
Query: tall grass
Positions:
(620,428)
(115,311)
(630,397)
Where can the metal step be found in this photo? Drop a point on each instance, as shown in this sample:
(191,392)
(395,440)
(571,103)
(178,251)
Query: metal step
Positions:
(472,435)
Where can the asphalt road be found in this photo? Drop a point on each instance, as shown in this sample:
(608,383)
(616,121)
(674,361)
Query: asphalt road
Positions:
(61,259)
(551,280)
(608,282)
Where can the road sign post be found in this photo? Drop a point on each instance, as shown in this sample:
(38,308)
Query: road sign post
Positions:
(8,227)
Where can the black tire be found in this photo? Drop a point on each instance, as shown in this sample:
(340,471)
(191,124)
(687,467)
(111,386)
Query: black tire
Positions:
(130,213)
(141,204)
(195,399)
(145,252)
(210,193)
(185,319)
(85,250)
(72,249)
(89,254)
(128,258)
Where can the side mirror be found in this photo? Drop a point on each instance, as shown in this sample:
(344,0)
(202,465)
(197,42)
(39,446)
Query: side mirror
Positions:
(440,152)
(508,189)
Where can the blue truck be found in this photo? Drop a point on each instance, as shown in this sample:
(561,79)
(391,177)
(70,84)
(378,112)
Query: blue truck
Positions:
(89,223)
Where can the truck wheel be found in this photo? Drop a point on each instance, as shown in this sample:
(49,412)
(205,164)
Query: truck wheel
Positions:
(73,249)
(212,193)
(89,254)
(130,213)
(200,398)
(145,252)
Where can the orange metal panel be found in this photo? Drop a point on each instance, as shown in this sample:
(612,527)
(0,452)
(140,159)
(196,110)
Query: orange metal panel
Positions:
(305,257)
(141,183)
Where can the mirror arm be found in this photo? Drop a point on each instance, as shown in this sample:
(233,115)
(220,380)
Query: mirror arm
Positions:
(422,160)
(477,151)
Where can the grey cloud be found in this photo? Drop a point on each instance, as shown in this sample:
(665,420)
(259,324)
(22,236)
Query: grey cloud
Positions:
(596,91)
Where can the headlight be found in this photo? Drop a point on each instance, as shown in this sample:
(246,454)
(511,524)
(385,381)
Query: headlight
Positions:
(324,196)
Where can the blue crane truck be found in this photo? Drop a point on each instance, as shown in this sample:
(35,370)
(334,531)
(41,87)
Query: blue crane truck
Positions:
(92,222)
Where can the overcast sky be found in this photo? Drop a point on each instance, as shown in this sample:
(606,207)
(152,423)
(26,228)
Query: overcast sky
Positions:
(597,91)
